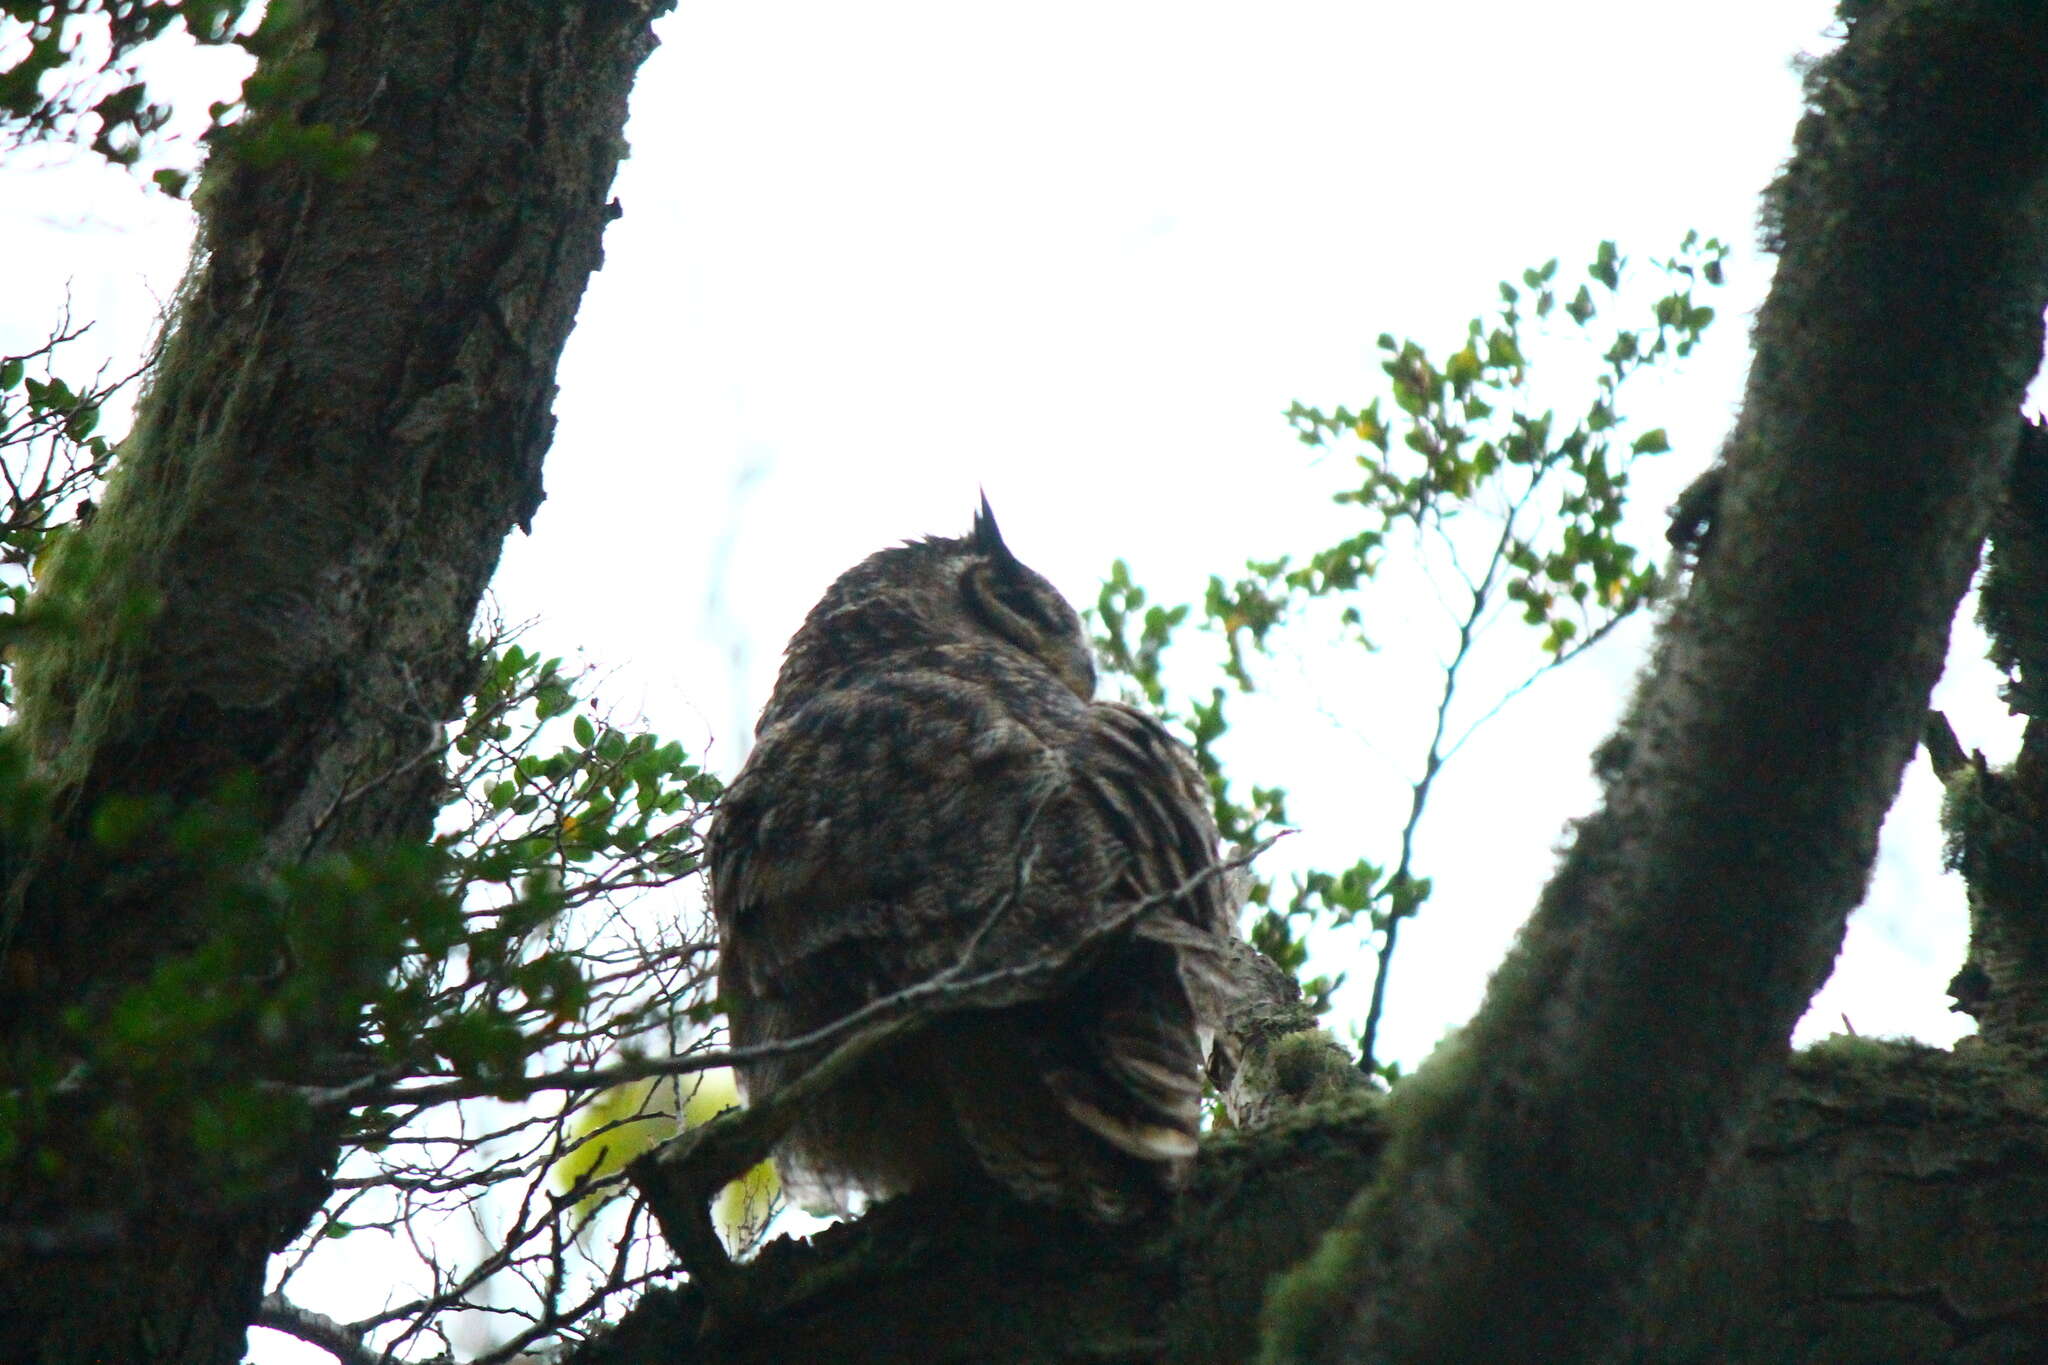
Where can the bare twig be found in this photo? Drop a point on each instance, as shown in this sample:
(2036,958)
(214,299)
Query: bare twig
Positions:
(345,1344)
(1432,763)
(950,989)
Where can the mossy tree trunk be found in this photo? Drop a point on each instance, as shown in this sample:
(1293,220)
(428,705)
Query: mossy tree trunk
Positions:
(348,417)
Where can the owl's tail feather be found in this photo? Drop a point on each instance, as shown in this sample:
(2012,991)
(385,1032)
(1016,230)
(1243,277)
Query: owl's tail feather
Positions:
(1133,1128)
(1023,1133)
(1136,1079)
(1093,1099)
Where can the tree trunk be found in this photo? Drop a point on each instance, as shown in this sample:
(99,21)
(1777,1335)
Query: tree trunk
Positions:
(347,417)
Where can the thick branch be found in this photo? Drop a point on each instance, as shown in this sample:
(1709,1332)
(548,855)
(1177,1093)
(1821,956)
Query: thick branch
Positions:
(1562,1144)
(1869,1217)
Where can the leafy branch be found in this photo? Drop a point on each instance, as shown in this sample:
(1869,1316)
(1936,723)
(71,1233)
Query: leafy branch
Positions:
(1506,509)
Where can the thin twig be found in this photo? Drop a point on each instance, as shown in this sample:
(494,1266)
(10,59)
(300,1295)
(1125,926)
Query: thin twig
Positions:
(280,1314)
(950,989)
(1432,764)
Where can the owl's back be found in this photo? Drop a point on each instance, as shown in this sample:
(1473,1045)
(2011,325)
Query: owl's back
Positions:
(954,790)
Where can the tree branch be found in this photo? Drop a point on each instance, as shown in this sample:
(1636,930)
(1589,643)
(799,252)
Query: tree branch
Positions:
(280,1314)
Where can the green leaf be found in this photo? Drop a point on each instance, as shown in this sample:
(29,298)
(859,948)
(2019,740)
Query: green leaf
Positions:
(1651,443)
(1606,266)
(1409,398)
(1502,352)
(586,733)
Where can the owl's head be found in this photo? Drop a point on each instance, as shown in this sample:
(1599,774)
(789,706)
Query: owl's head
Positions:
(969,590)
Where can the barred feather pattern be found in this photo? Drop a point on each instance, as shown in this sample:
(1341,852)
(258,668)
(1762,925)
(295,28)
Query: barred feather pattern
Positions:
(932,779)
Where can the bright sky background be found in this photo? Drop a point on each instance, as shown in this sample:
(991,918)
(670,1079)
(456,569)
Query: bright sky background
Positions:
(877,257)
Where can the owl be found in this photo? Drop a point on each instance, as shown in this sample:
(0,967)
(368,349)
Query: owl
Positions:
(933,783)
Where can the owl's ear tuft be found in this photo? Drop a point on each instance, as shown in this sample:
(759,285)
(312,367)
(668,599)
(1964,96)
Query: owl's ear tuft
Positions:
(987,537)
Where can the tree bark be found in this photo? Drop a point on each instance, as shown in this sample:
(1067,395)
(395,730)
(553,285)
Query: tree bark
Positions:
(346,419)
(1886,1206)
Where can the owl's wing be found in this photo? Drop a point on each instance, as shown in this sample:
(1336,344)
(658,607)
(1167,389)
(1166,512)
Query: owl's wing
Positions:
(1132,1071)
(916,815)
(871,833)
(1154,809)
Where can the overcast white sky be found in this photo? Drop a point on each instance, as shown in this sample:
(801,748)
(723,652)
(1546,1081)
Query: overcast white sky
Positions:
(876,257)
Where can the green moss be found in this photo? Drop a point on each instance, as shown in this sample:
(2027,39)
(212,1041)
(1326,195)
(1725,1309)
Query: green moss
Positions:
(1911,1082)
(1308,1065)
(1855,1051)
(70,683)
(103,582)
(1440,1087)
(1298,1317)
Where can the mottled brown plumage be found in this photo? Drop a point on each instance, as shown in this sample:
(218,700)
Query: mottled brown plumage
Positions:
(930,768)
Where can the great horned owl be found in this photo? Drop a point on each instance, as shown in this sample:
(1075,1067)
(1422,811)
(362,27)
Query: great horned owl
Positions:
(932,777)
